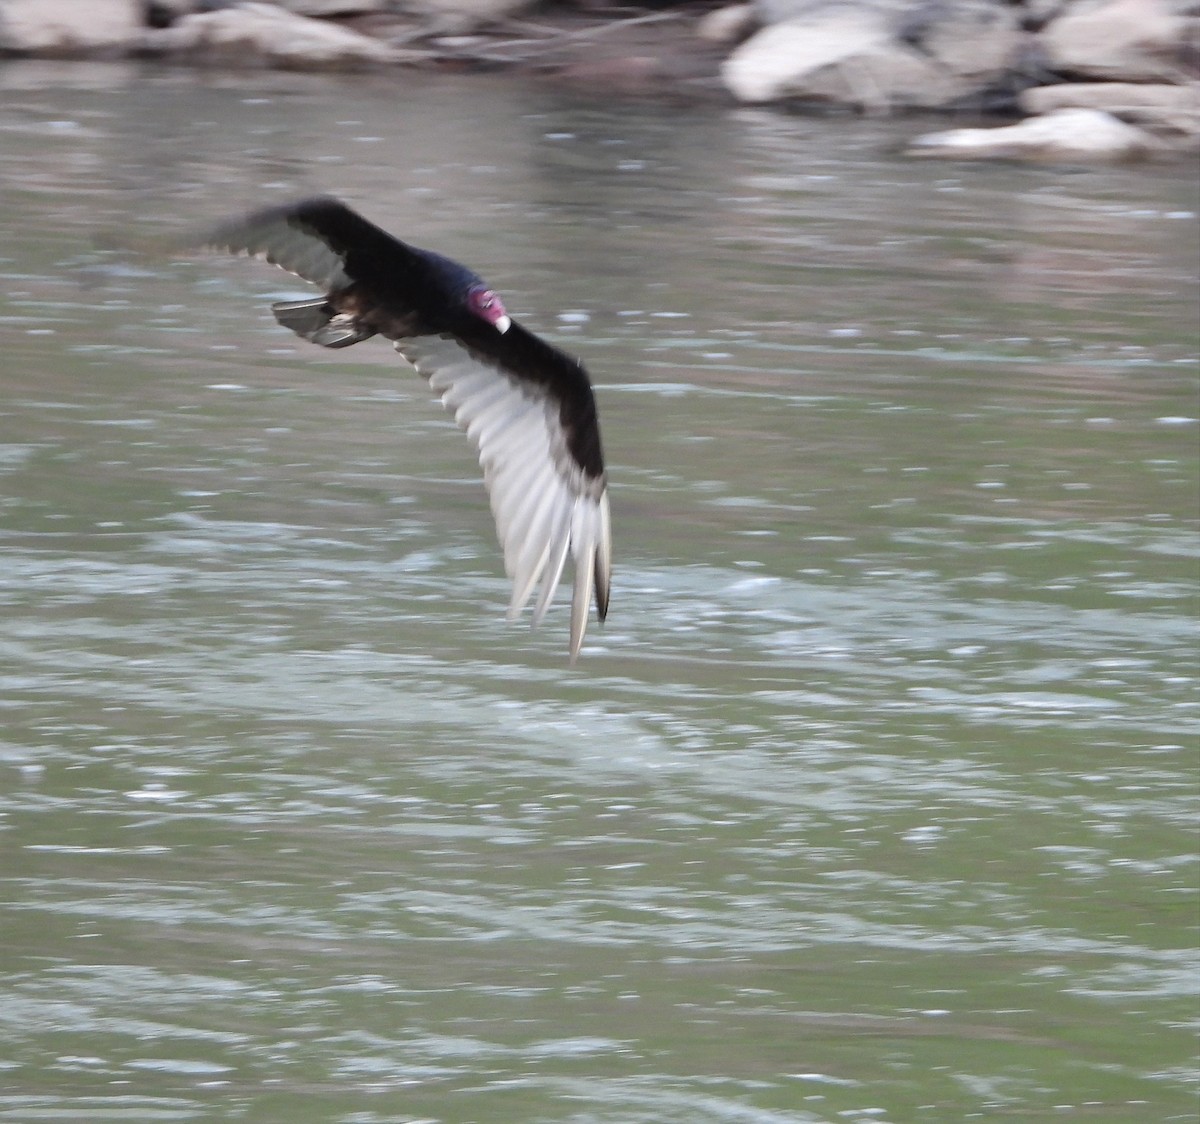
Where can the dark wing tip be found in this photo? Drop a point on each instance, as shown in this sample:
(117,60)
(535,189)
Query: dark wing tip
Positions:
(310,206)
(308,237)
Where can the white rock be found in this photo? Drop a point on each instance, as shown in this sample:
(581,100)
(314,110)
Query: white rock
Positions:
(728,24)
(269,33)
(875,56)
(1134,40)
(317,9)
(1064,135)
(840,59)
(67,27)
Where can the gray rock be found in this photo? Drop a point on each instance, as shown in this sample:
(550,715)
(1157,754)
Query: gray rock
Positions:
(1119,98)
(68,27)
(323,9)
(876,55)
(467,13)
(271,35)
(977,42)
(1066,135)
(783,11)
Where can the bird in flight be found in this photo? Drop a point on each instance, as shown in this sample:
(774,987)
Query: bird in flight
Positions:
(527,407)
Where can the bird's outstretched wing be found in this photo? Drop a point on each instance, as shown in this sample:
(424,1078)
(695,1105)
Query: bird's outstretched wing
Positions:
(545,503)
(320,240)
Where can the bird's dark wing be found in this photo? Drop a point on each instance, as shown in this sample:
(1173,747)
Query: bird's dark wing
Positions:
(546,503)
(325,242)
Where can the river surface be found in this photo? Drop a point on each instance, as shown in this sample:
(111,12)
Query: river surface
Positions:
(874,800)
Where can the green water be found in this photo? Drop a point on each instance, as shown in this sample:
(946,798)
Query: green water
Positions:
(874,800)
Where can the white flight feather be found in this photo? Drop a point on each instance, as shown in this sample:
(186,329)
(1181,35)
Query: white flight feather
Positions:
(493,418)
(539,493)
(532,557)
(560,547)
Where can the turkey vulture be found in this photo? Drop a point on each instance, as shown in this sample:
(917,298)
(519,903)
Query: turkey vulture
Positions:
(526,406)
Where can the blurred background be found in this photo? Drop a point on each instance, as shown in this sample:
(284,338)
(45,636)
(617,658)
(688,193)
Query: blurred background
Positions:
(875,797)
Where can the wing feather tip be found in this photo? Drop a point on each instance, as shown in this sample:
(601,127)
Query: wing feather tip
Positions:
(581,595)
(603,561)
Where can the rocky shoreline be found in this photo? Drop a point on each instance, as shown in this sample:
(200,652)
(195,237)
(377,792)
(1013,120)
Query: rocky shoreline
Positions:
(1087,80)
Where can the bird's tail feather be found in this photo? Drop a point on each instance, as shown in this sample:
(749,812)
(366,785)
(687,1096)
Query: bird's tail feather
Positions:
(315,319)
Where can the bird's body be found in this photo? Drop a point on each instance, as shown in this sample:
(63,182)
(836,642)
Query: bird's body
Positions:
(527,406)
